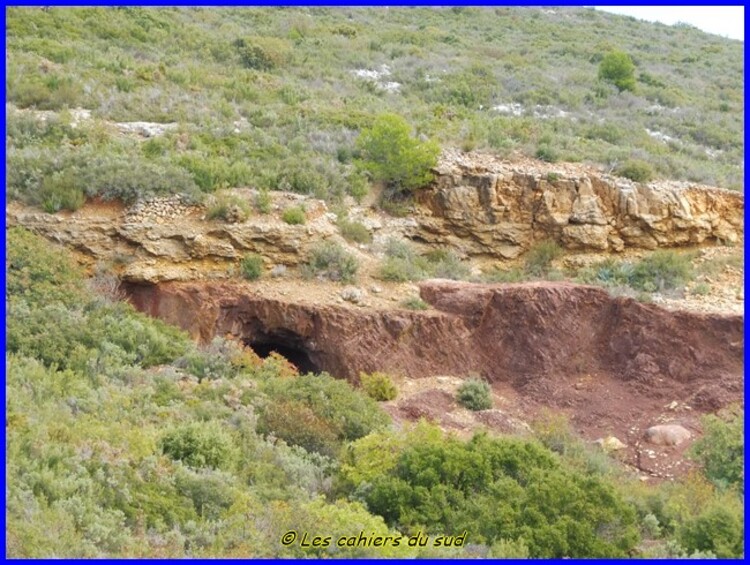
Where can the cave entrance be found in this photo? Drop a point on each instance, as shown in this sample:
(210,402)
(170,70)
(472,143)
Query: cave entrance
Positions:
(286,344)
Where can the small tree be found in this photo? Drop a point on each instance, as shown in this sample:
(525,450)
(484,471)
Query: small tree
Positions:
(617,67)
(390,154)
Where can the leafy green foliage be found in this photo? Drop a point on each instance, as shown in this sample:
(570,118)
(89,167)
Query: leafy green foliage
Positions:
(330,260)
(415,303)
(378,386)
(450,486)
(251,266)
(350,414)
(262,53)
(294,215)
(391,154)
(354,231)
(635,170)
(617,67)
(660,270)
(199,445)
(403,263)
(475,394)
(721,450)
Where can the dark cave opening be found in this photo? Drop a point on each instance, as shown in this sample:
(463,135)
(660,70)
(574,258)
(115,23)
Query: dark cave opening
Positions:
(288,346)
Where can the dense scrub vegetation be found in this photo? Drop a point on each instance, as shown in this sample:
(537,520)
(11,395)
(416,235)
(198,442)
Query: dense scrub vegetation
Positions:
(276,98)
(125,439)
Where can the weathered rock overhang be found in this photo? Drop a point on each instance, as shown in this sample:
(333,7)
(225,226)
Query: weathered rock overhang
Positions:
(511,333)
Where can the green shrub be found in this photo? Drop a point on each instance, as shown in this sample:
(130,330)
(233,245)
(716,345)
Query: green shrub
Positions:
(498,275)
(638,171)
(415,303)
(378,386)
(348,412)
(661,270)
(474,394)
(446,264)
(555,511)
(262,53)
(354,231)
(721,450)
(540,256)
(297,424)
(263,201)
(61,191)
(390,154)
(294,216)
(251,266)
(199,444)
(228,207)
(547,153)
(331,261)
(617,67)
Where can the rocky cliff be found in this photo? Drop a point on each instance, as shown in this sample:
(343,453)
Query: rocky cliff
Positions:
(487,206)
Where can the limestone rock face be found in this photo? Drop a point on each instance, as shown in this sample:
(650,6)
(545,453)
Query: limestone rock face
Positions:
(487,206)
(164,240)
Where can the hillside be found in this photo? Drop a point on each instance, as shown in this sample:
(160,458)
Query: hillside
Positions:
(372,282)
(274,98)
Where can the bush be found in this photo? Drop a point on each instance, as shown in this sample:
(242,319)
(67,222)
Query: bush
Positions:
(450,486)
(415,303)
(294,216)
(251,266)
(228,207)
(474,394)
(331,261)
(539,257)
(391,154)
(297,424)
(262,53)
(378,386)
(354,231)
(61,192)
(263,201)
(638,171)
(199,444)
(661,270)
(348,412)
(617,67)
(721,450)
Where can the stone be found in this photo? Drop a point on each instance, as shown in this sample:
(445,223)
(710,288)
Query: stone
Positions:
(353,294)
(667,434)
(610,443)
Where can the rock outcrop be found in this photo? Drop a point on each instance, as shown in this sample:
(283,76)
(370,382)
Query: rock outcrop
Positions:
(486,206)
(166,240)
(515,333)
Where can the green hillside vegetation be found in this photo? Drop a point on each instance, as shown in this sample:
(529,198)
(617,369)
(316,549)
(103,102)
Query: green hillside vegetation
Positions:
(126,439)
(270,98)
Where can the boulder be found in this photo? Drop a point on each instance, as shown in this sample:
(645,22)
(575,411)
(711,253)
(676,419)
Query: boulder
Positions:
(667,434)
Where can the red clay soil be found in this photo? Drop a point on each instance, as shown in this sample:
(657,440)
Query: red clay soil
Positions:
(614,365)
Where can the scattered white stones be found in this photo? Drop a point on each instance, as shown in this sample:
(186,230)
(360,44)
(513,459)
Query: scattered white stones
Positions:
(511,108)
(158,209)
(661,136)
(145,129)
(376,76)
